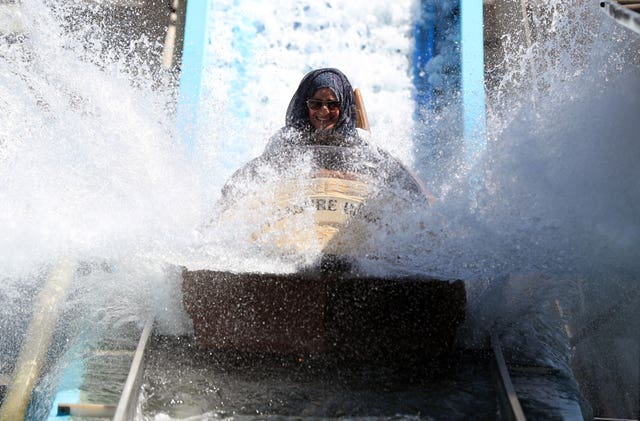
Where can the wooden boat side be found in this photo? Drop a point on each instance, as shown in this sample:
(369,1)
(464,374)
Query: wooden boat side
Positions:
(320,312)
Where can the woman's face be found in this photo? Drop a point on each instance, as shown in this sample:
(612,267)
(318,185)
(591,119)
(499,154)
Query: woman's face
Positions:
(324,109)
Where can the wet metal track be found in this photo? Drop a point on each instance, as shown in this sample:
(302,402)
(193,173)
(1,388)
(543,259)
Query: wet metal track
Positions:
(171,376)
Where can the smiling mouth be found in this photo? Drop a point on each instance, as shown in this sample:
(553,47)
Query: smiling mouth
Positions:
(324,124)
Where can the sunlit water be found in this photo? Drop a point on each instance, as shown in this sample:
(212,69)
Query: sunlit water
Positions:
(92,169)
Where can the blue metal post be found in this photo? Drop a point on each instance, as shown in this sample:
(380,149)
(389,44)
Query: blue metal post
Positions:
(424,35)
(193,52)
(472,68)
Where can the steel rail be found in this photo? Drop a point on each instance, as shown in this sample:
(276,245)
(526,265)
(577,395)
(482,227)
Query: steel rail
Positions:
(125,411)
(510,408)
(625,16)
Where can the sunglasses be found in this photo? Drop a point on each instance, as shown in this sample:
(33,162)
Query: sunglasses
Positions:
(316,104)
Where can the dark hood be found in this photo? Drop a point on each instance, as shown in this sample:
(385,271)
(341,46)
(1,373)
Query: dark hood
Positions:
(334,79)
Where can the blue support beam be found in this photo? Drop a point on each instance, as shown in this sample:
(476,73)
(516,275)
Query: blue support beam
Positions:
(449,58)
(472,69)
(424,35)
(193,53)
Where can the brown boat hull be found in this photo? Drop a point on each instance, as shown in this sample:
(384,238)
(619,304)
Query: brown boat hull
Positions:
(324,312)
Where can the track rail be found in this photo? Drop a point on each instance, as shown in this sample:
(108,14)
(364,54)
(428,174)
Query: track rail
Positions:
(508,403)
(625,12)
(126,408)
(510,408)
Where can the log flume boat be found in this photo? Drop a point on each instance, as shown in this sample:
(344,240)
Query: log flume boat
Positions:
(330,200)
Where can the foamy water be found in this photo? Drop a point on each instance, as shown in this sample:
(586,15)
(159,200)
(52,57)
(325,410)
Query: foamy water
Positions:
(89,167)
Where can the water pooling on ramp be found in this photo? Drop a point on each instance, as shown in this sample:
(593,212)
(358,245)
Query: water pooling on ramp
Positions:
(182,381)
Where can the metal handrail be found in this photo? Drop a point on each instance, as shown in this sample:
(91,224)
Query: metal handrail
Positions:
(33,351)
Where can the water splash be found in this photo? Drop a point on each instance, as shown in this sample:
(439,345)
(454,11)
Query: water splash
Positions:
(90,170)
(89,164)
